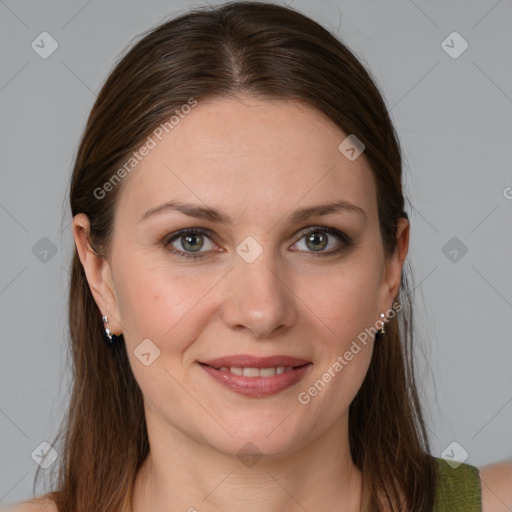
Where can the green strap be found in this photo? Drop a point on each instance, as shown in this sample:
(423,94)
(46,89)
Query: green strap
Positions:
(458,489)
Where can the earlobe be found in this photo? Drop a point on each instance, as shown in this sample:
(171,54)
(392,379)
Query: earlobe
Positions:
(98,272)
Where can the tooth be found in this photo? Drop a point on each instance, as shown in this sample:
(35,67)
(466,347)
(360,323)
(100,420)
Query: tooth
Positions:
(257,372)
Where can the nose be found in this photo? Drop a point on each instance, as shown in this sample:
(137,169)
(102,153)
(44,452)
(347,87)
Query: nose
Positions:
(259,297)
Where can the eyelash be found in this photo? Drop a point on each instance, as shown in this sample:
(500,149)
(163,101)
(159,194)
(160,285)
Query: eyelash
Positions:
(345,239)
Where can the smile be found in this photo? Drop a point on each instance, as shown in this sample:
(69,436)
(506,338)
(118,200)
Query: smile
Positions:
(257,382)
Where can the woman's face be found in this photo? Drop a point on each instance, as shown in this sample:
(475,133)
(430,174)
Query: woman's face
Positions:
(250,175)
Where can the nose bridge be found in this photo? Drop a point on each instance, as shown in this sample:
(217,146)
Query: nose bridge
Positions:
(258,298)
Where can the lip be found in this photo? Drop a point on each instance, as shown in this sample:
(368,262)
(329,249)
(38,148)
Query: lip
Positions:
(256,387)
(248,361)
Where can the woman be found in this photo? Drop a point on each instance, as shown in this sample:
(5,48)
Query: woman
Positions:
(239,313)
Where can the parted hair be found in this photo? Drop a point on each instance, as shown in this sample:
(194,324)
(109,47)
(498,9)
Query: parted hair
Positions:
(271,52)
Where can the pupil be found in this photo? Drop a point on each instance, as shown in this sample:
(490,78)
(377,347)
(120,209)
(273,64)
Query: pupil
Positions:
(317,237)
(189,239)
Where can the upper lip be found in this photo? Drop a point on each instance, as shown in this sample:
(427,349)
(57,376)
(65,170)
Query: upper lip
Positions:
(248,361)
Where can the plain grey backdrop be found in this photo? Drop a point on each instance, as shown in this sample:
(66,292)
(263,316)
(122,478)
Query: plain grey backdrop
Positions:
(445,71)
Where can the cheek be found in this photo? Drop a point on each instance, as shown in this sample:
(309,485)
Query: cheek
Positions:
(343,308)
(157,306)
(161,303)
(346,302)
(335,383)
(345,299)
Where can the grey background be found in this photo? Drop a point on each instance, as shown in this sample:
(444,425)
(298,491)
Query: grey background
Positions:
(454,120)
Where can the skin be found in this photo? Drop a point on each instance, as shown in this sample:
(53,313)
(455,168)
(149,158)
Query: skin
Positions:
(270,159)
(496,480)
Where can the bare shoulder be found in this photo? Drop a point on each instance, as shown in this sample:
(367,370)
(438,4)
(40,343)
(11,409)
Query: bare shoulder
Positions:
(36,505)
(496,482)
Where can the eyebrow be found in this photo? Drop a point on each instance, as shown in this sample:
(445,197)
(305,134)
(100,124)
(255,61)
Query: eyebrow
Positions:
(300,215)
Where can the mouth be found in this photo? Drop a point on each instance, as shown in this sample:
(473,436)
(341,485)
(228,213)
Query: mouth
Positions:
(252,372)
(259,380)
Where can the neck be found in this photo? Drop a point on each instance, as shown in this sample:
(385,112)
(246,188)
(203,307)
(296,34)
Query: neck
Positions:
(181,474)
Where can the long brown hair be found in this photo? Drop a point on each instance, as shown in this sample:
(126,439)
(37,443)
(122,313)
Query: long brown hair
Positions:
(272,52)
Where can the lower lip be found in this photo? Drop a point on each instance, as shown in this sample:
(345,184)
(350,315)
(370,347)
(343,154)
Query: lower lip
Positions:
(257,386)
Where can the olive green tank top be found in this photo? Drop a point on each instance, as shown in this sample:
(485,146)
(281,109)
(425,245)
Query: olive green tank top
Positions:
(458,489)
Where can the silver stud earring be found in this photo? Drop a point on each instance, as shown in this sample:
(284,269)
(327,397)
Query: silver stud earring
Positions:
(381,331)
(110,339)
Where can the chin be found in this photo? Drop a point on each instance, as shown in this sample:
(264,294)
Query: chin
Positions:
(274,439)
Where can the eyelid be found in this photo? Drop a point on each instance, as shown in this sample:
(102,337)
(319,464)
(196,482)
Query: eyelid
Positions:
(329,230)
(334,232)
(176,235)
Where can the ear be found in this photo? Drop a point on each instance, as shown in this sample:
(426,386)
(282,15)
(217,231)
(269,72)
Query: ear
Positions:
(393,267)
(98,273)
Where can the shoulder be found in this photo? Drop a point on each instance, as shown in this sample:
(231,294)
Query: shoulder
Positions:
(35,505)
(458,487)
(496,480)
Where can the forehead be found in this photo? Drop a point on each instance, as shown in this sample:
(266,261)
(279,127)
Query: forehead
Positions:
(249,156)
